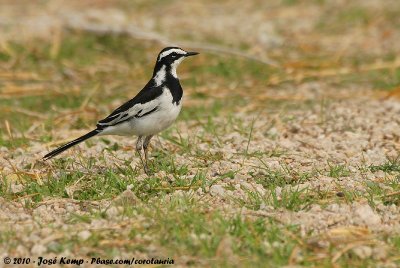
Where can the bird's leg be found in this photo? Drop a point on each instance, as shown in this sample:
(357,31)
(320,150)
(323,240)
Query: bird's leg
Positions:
(146,147)
(139,146)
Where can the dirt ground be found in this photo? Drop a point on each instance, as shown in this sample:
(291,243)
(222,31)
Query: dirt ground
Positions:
(314,145)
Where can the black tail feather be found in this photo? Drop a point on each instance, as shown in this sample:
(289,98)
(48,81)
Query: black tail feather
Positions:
(70,144)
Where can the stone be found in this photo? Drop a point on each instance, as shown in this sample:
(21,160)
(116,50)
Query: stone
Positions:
(126,198)
(84,235)
(363,252)
(333,207)
(16,188)
(38,249)
(112,212)
(380,252)
(217,190)
(367,215)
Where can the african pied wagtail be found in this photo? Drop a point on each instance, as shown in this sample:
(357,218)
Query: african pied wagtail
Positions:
(151,111)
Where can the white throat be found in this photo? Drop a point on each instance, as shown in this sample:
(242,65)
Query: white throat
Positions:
(174,66)
(160,76)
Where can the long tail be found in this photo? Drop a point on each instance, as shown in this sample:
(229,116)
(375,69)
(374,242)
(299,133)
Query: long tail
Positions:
(70,144)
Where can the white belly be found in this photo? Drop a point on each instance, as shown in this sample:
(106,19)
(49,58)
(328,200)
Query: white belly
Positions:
(157,121)
(150,124)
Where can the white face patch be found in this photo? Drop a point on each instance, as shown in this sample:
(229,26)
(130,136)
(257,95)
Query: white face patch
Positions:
(174,66)
(159,78)
(172,50)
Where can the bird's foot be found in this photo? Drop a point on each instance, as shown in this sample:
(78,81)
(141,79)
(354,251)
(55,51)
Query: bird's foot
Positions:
(147,170)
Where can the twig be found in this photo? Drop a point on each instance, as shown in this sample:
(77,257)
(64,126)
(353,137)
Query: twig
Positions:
(229,51)
(136,33)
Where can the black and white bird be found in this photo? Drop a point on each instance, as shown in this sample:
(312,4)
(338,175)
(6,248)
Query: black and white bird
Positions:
(151,111)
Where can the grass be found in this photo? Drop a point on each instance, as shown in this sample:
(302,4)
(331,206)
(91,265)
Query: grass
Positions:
(95,183)
(181,226)
(354,17)
(294,199)
(272,178)
(70,87)
(392,165)
(338,171)
(72,68)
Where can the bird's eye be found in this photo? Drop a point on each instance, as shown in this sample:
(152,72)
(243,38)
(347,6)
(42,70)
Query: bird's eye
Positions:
(173,56)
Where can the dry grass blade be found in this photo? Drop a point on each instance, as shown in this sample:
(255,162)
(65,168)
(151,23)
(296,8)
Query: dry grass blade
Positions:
(56,42)
(278,176)
(319,257)
(15,169)
(18,75)
(293,255)
(89,96)
(339,254)
(116,243)
(270,215)
(395,258)
(25,196)
(306,74)
(5,47)
(391,194)
(393,93)
(58,142)
(8,128)
(23,111)
(11,91)
(67,200)
(184,188)
(347,234)
(33,175)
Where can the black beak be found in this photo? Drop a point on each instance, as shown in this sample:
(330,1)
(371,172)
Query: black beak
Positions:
(188,54)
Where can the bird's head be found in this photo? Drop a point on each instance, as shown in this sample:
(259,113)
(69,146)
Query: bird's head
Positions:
(170,57)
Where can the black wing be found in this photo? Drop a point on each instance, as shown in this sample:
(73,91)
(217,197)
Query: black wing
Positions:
(142,104)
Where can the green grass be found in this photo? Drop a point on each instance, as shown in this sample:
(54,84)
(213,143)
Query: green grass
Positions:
(211,228)
(91,182)
(108,69)
(294,199)
(182,227)
(72,68)
(338,171)
(342,20)
(392,165)
(272,178)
